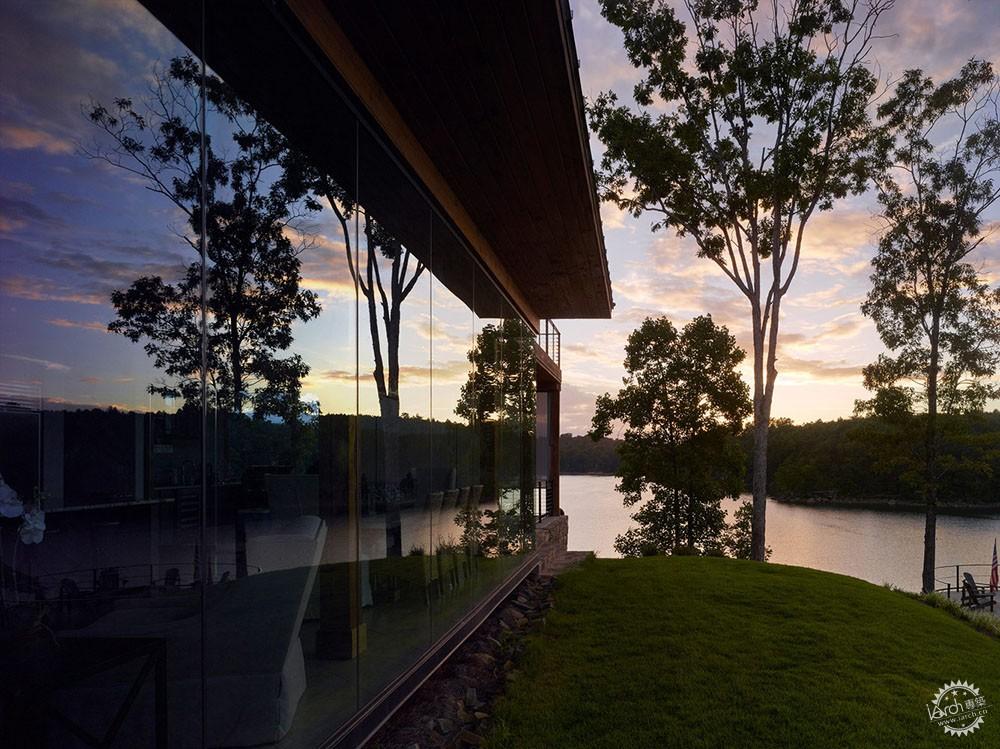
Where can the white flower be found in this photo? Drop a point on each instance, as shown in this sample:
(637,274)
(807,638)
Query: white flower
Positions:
(33,526)
(10,505)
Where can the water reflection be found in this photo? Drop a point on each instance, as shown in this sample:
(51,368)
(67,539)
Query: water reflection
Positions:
(876,546)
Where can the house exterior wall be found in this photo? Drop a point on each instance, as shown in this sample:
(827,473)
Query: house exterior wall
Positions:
(282,549)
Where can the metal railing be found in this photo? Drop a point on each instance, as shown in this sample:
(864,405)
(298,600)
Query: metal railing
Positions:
(550,341)
(543,499)
(958,569)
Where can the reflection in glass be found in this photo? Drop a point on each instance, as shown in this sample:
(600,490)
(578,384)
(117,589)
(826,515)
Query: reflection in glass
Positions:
(101,569)
(366,433)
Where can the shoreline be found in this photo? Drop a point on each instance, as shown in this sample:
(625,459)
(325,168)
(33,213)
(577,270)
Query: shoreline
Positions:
(891,504)
(894,505)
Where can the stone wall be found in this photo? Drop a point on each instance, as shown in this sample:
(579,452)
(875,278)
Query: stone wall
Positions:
(551,539)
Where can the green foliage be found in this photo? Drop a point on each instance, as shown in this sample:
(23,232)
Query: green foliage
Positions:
(737,537)
(681,404)
(748,120)
(501,385)
(584,455)
(749,82)
(257,188)
(874,459)
(929,302)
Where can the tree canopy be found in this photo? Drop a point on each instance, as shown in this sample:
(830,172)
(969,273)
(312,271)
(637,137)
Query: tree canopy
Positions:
(258,187)
(748,119)
(681,404)
(931,306)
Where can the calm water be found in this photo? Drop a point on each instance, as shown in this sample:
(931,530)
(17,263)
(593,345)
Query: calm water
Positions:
(873,545)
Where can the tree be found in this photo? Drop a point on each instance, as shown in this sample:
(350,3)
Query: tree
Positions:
(379,242)
(255,197)
(498,401)
(682,403)
(765,124)
(503,372)
(930,305)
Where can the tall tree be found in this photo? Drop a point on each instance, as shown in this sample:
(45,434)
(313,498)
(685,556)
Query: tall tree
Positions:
(746,127)
(929,302)
(681,404)
(258,188)
(384,300)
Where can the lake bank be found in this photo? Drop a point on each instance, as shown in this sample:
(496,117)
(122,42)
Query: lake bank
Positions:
(946,508)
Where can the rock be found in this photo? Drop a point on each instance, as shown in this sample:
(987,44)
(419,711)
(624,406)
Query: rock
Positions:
(483,659)
(471,698)
(468,738)
(480,715)
(446,725)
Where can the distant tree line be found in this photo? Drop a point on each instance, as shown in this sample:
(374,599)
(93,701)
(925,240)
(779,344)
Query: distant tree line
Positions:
(580,454)
(874,459)
(847,459)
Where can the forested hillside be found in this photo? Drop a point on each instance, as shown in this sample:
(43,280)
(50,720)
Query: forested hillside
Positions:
(851,459)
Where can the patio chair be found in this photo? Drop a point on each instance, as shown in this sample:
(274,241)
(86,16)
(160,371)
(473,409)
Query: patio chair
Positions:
(975,596)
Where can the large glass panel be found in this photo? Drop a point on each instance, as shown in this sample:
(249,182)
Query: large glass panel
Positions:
(504,389)
(283,622)
(456,468)
(100,425)
(400,495)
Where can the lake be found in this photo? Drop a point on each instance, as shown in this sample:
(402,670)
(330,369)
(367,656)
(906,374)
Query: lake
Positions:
(874,545)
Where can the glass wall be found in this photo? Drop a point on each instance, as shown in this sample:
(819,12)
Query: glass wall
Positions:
(240,496)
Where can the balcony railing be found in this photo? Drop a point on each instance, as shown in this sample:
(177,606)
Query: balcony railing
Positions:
(550,341)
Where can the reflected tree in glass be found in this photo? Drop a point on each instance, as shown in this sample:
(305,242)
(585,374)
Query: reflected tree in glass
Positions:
(499,401)
(258,189)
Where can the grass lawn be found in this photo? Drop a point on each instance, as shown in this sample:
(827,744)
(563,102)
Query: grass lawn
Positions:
(700,652)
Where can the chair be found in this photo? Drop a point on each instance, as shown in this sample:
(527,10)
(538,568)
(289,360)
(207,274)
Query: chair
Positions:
(975,596)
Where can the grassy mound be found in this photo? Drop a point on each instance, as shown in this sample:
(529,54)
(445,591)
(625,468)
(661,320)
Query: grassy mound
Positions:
(701,652)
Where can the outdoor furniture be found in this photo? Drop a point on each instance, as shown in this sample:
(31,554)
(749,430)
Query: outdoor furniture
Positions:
(975,596)
(450,499)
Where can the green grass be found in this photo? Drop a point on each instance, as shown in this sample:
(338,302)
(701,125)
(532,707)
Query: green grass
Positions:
(702,652)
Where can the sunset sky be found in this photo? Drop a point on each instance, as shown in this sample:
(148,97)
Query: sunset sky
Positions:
(72,230)
(826,340)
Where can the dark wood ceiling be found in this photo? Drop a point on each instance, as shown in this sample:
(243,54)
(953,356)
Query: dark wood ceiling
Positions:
(490,90)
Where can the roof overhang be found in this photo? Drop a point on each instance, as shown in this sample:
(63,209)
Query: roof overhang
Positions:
(481,100)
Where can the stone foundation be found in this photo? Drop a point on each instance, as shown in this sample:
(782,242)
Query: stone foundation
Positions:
(551,539)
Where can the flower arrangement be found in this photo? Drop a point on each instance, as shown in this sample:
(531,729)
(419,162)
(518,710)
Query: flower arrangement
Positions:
(32,529)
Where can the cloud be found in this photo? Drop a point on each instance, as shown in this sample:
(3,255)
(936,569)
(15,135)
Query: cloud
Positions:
(819,369)
(45,290)
(445,372)
(60,322)
(17,213)
(44,363)
(19,138)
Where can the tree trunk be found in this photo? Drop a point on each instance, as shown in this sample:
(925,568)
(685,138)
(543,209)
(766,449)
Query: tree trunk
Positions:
(930,464)
(761,421)
(237,365)
(389,480)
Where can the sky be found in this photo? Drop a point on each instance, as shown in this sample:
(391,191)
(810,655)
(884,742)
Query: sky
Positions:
(72,229)
(825,338)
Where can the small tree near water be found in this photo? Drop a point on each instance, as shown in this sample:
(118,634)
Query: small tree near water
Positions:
(681,405)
